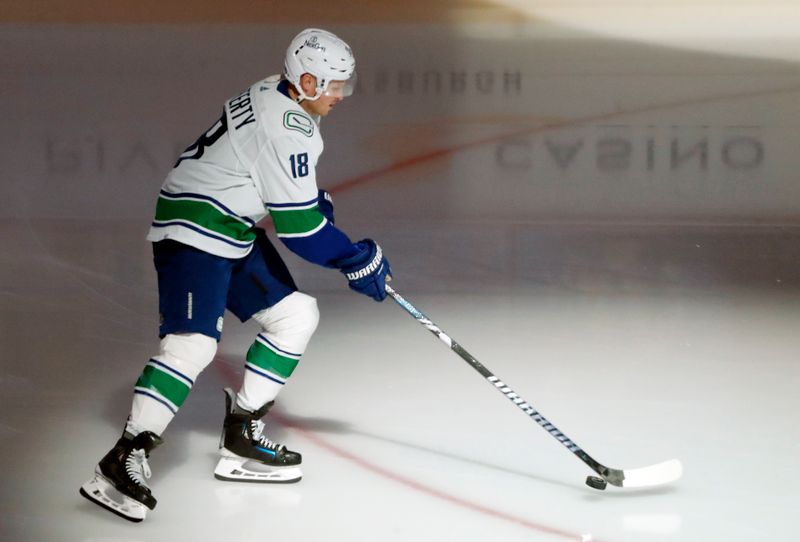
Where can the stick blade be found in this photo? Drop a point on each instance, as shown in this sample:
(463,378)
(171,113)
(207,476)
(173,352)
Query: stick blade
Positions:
(654,475)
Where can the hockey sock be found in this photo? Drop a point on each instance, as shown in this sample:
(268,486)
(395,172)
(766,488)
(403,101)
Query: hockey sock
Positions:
(273,357)
(266,371)
(167,380)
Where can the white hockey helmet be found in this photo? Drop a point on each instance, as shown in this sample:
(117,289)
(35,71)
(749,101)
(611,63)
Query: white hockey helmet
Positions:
(326,57)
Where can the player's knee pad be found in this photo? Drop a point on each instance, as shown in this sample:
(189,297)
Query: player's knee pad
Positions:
(188,353)
(292,321)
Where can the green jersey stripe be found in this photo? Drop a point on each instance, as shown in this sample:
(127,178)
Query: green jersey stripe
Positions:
(269,360)
(206,215)
(171,388)
(297,222)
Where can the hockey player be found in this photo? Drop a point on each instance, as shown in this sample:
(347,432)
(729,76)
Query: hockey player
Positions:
(258,158)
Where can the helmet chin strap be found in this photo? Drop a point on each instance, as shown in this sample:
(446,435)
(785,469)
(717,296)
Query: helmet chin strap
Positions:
(301,96)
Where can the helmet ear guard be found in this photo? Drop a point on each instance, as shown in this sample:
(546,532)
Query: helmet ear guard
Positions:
(323,55)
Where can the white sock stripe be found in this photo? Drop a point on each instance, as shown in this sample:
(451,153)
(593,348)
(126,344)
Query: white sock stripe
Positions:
(155,396)
(264,340)
(265,373)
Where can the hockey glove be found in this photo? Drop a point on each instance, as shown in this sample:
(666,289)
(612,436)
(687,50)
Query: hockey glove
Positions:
(367,271)
(325,204)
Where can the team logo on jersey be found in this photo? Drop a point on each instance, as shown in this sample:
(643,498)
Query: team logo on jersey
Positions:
(294,120)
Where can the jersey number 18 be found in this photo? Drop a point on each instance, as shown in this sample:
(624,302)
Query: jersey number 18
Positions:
(299,164)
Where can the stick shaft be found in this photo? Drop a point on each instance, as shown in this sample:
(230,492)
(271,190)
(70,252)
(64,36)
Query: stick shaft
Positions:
(523,405)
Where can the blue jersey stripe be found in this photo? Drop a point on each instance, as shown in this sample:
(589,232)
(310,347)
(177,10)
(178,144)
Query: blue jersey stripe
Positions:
(202,232)
(290,205)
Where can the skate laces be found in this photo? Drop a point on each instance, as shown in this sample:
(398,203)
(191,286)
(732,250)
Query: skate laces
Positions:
(257,434)
(137,467)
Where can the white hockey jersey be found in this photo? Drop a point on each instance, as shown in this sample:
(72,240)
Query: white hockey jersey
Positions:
(259,157)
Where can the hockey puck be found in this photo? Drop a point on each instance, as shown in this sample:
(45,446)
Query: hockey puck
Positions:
(596,482)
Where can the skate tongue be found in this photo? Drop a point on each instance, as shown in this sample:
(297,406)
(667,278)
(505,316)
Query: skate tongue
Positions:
(257,433)
(140,470)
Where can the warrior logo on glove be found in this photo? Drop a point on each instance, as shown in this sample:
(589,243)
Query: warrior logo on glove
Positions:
(368,270)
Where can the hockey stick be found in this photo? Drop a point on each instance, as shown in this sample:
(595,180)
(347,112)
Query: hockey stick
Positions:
(654,475)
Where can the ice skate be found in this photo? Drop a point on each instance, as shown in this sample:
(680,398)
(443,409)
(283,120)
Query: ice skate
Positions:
(247,455)
(119,484)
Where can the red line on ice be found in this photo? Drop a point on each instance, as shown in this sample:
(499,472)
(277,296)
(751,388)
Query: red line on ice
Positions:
(435,154)
(232,378)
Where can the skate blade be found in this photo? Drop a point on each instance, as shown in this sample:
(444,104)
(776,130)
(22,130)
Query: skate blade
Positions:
(101,492)
(239,469)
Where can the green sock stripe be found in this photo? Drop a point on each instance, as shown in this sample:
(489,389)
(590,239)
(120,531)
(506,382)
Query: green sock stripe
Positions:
(165,384)
(265,358)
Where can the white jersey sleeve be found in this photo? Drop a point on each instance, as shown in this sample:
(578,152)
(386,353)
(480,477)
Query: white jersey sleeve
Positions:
(293,202)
